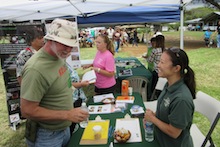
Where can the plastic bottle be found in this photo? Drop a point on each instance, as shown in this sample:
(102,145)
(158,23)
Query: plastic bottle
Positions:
(149,131)
(84,123)
(124,87)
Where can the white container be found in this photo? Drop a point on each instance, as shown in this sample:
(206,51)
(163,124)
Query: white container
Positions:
(97,129)
(130,90)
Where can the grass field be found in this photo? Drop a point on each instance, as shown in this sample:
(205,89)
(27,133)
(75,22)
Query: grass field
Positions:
(204,61)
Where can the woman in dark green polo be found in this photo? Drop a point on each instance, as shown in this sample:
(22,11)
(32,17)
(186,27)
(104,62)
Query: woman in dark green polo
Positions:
(175,108)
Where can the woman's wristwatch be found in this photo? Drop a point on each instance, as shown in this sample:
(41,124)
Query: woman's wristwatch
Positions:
(98,70)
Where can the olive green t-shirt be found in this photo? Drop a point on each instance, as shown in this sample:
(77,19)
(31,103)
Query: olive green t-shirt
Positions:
(175,106)
(45,79)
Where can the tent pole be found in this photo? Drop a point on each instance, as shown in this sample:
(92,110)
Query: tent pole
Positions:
(181,24)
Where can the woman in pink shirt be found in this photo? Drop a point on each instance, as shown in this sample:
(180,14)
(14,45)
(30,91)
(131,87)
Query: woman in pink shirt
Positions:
(104,65)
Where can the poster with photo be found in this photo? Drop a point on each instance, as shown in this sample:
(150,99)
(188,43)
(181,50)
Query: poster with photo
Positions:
(14,117)
(12,41)
(14,106)
(74,59)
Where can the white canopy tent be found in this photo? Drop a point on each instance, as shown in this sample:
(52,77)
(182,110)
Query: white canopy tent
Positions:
(23,10)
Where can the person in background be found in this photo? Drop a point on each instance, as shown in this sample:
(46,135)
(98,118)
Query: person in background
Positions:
(46,89)
(151,46)
(116,37)
(135,38)
(175,107)
(104,66)
(78,94)
(218,34)
(110,32)
(125,38)
(207,37)
(156,33)
(35,41)
(154,58)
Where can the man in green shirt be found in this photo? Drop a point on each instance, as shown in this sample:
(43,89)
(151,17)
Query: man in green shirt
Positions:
(46,89)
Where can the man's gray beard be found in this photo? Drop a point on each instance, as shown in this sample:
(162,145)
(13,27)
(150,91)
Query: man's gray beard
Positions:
(54,49)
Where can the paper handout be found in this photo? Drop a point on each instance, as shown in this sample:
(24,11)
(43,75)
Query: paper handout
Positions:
(99,98)
(89,76)
(103,109)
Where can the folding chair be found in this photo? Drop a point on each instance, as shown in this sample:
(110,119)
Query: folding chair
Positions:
(208,136)
(139,84)
(159,86)
(210,108)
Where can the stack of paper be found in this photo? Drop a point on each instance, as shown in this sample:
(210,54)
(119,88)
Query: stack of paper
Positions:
(125,99)
(99,98)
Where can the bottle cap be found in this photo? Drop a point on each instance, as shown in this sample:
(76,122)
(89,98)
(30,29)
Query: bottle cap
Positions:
(83,104)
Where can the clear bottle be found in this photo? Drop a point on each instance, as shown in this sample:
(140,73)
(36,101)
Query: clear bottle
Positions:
(149,131)
(84,123)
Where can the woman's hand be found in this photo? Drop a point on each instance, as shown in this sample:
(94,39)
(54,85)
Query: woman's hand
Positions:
(149,115)
(84,83)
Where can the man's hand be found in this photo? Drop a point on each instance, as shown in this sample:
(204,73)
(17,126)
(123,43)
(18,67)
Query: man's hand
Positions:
(77,115)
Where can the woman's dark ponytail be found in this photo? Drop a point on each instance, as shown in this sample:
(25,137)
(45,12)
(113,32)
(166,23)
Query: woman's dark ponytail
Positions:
(189,79)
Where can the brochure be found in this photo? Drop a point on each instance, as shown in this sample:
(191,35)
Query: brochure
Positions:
(125,99)
(100,98)
(100,109)
(126,72)
(103,109)
(89,76)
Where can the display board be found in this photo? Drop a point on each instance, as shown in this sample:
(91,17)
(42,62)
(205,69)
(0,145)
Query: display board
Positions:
(8,54)
(12,41)
(74,59)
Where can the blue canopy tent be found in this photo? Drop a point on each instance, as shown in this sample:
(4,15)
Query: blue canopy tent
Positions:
(131,15)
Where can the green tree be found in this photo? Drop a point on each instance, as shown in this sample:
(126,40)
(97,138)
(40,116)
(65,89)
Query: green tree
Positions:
(209,3)
(198,12)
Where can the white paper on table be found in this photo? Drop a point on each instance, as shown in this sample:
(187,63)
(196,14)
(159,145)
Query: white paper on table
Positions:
(89,76)
(131,124)
(121,105)
(99,98)
(100,109)
(116,109)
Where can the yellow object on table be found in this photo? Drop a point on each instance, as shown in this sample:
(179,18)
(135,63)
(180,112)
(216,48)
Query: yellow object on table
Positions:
(88,136)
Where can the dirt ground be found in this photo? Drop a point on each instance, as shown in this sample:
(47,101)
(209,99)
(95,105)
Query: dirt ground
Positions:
(142,48)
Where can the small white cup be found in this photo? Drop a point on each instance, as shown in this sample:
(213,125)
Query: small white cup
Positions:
(130,90)
(97,132)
